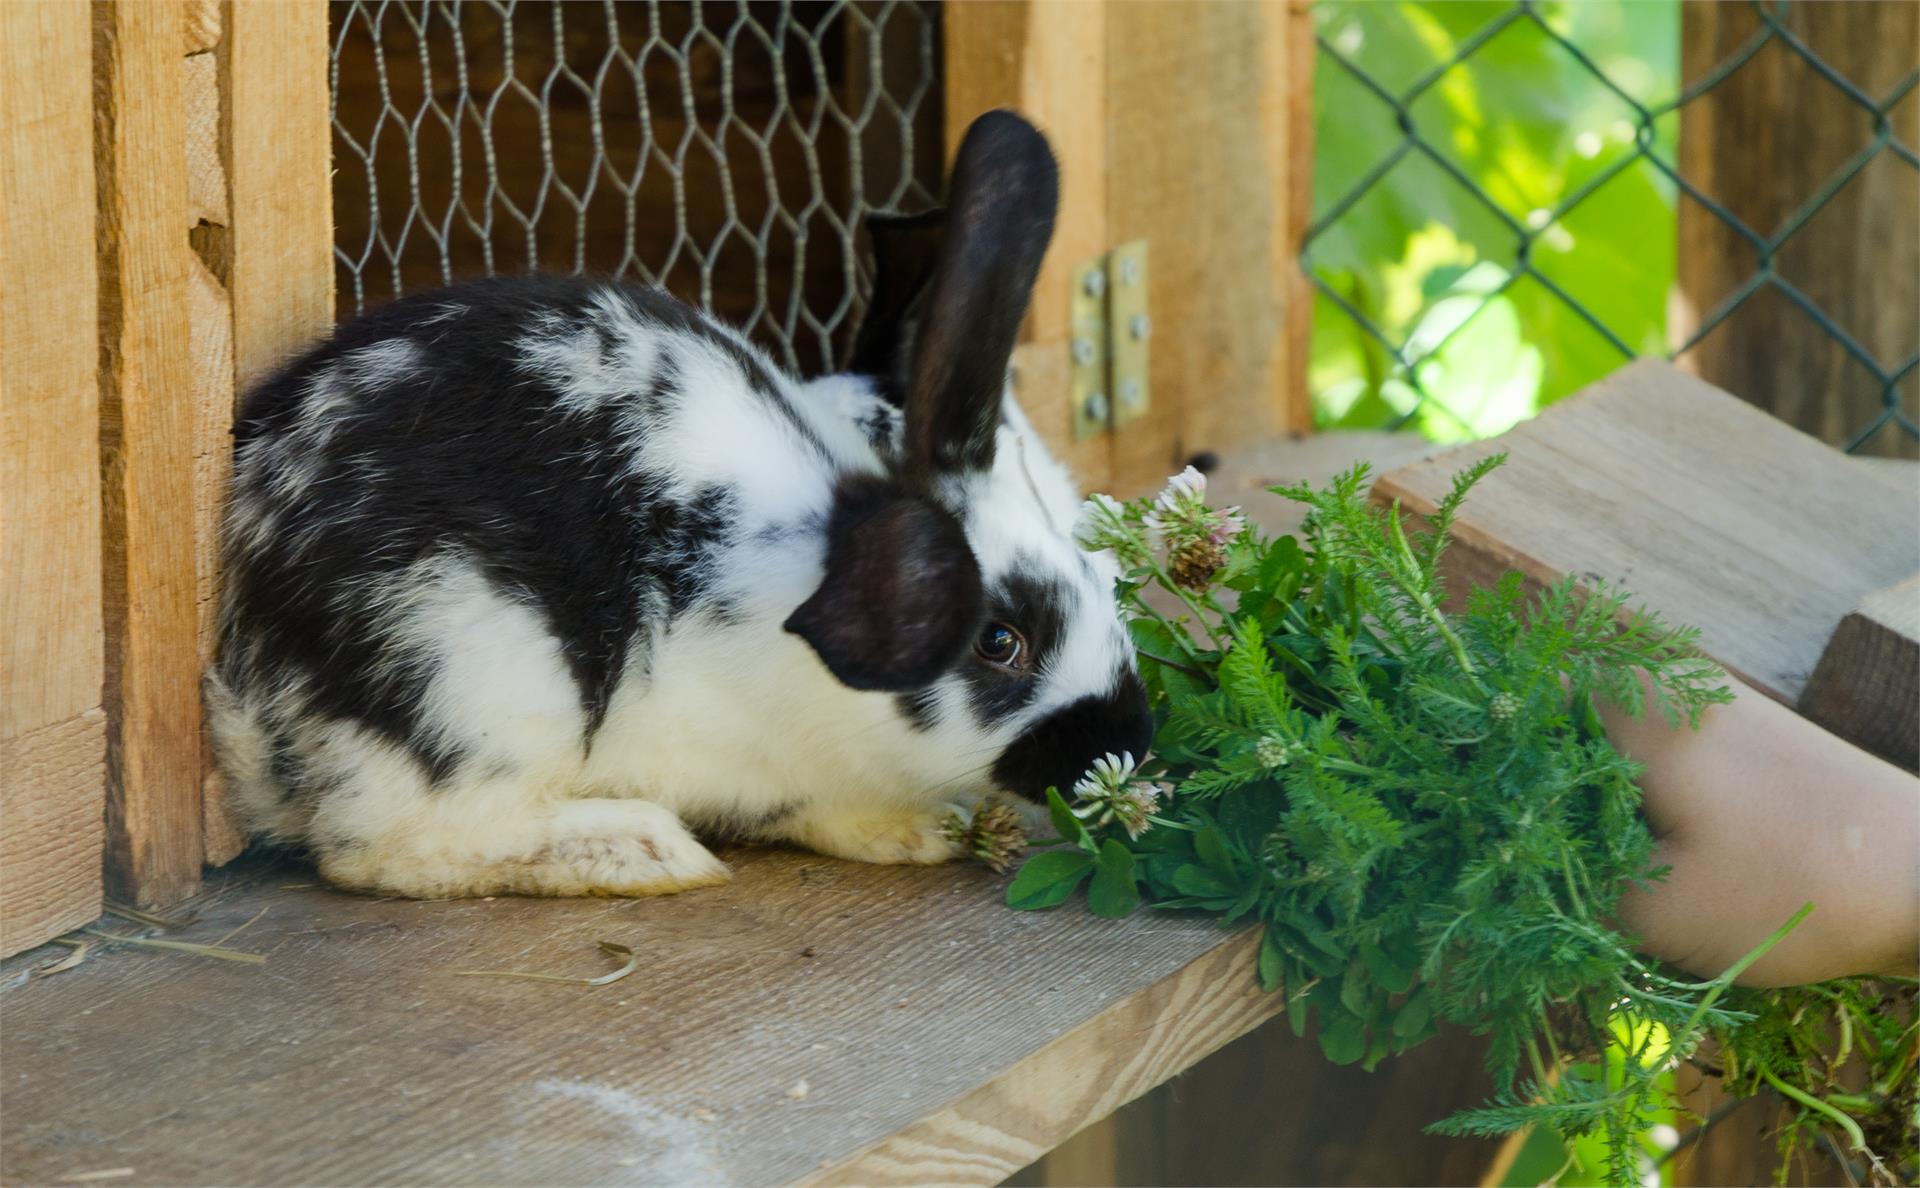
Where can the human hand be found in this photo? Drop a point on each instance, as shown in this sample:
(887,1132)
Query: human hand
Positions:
(1757,813)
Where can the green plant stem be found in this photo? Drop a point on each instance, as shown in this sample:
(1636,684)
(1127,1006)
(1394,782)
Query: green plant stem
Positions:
(1839,1118)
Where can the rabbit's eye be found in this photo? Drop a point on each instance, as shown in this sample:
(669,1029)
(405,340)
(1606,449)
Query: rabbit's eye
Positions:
(1002,645)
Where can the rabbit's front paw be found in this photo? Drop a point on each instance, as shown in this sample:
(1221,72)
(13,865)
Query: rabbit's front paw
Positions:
(620,847)
(891,839)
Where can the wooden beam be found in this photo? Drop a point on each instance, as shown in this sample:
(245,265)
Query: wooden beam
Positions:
(147,442)
(1201,164)
(261,217)
(1765,141)
(52,731)
(1867,684)
(1048,62)
(1704,508)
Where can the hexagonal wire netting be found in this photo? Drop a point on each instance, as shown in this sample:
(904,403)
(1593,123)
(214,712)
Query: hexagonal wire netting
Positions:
(1426,219)
(725,151)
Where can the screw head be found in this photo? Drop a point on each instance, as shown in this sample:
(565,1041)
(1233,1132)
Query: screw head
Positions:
(1129,393)
(1129,270)
(1083,351)
(1095,282)
(1096,406)
(1139,326)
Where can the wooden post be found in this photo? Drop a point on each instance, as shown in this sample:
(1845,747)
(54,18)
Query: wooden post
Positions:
(1048,61)
(1180,124)
(1764,142)
(52,729)
(215,255)
(147,442)
(262,223)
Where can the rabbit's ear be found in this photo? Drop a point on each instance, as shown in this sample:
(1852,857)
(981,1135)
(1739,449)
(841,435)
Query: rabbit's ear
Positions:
(999,217)
(904,250)
(901,599)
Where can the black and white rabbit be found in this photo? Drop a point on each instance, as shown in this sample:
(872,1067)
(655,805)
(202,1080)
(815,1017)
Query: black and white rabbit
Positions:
(527,579)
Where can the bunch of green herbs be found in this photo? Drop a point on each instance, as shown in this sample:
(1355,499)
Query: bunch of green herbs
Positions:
(1421,811)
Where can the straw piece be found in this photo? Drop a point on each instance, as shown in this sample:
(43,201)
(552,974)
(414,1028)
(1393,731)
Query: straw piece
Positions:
(607,947)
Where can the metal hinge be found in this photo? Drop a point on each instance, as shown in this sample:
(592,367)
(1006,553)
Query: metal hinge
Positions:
(1109,344)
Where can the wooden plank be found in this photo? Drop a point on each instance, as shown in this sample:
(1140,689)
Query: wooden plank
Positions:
(146,433)
(50,828)
(1867,684)
(1199,166)
(938,1034)
(259,185)
(1708,510)
(279,159)
(49,372)
(52,741)
(1765,141)
(1048,61)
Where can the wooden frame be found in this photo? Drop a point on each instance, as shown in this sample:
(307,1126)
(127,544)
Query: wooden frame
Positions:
(1139,99)
(52,728)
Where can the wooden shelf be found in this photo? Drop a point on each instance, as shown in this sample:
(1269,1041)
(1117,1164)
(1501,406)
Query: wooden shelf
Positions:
(938,1035)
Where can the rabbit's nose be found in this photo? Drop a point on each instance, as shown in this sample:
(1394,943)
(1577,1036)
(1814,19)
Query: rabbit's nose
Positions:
(1058,749)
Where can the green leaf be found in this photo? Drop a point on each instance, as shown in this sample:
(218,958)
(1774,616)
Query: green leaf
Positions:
(1271,961)
(1343,1037)
(1392,976)
(1113,893)
(1210,847)
(1201,882)
(1046,880)
(1415,1014)
(1069,827)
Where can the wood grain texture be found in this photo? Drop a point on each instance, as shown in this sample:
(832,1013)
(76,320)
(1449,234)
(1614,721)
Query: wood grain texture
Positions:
(1049,62)
(1706,509)
(259,181)
(1199,167)
(1764,142)
(146,434)
(280,178)
(49,366)
(52,745)
(939,1034)
(1867,684)
(50,828)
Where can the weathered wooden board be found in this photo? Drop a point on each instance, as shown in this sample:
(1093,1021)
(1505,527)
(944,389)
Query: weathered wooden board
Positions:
(938,1035)
(1705,508)
(52,735)
(1867,684)
(147,438)
(1142,101)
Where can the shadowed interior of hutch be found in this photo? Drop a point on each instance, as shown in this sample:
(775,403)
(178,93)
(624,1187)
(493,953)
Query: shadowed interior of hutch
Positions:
(723,151)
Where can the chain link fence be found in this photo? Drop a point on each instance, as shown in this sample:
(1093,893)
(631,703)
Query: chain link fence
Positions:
(726,151)
(1513,198)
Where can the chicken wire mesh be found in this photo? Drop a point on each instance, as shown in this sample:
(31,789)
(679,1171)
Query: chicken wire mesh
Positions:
(725,151)
(1467,275)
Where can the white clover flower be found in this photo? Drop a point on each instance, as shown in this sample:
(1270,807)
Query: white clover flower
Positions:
(1103,527)
(1108,793)
(1193,535)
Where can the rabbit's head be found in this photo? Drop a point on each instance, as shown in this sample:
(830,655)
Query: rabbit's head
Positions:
(953,581)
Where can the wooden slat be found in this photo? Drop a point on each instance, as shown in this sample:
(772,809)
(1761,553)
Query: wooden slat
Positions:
(147,440)
(1710,511)
(260,185)
(1867,684)
(1199,166)
(279,159)
(50,825)
(1047,61)
(52,745)
(939,1034)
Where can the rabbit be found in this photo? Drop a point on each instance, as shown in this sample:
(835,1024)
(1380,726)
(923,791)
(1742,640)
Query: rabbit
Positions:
(529,580)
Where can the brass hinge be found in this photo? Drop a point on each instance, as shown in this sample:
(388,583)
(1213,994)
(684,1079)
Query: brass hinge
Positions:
(1110,328)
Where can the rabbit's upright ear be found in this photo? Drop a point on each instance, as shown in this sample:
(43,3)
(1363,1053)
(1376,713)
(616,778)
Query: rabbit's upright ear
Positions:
(901,598)
(904,250)
(999,218)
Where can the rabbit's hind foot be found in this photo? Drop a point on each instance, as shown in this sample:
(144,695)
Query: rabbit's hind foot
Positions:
(592,847)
